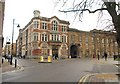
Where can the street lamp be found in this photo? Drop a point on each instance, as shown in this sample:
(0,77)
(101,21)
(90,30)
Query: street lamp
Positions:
(12,39)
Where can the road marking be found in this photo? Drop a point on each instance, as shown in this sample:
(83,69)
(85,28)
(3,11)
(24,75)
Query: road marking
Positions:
(81,80)
(84,78)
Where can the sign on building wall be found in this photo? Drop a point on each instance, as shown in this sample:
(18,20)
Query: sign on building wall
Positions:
(37,52)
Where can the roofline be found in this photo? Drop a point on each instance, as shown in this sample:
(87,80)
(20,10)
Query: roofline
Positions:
(48,19)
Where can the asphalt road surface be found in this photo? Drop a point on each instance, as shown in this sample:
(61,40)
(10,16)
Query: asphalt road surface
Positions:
(70,70)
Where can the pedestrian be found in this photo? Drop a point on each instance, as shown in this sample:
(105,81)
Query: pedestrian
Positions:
(102,56)
(105,55)
(98,56)
(24,56)
(53,56)
(94,55)
(9,58)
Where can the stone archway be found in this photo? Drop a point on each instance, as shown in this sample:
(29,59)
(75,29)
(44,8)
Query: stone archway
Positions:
(73,51)
(44,49)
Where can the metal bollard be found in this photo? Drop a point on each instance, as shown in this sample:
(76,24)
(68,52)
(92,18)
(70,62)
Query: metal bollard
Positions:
(2,61)
(15,63)
(11,58)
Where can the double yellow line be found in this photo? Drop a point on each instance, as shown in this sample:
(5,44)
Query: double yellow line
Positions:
(84,78)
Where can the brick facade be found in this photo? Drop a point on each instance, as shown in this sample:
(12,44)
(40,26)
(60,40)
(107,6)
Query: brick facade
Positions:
(52,37)
(92,43)
(45,37)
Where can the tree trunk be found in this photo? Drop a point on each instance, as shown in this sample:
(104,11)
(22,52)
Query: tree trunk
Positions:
(116,21)
(118,38)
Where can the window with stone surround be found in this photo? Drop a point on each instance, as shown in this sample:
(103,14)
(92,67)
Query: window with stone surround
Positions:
(98,40)
(72,39)
(102,40)
(55,37)
(107,40)
(86,39)
(35,36)
(80,37)
(64,39)
(44,25)
(92,39)
(52,37)
(63,28)
(54,25)
(44,37)
(36,24)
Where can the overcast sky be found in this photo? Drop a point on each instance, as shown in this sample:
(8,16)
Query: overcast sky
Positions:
(22,12)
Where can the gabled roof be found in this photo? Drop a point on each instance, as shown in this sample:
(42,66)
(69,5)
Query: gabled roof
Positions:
(46,19)
(61,21)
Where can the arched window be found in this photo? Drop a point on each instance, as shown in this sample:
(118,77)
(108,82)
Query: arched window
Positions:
(54,25)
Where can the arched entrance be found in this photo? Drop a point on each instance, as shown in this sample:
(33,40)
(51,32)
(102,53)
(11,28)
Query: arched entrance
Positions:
(73,51)
(55,51)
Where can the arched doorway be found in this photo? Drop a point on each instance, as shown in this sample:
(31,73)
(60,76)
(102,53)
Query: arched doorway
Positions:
(73,51)
(55,51)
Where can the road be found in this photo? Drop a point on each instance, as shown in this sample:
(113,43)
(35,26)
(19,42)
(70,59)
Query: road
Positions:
(69,70)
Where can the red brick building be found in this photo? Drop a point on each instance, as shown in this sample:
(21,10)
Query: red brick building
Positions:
(45,37)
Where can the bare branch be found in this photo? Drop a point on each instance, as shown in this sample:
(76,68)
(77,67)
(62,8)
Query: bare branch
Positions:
(73,3)
(64,2)
(112,7)
(84,10)
(56,3)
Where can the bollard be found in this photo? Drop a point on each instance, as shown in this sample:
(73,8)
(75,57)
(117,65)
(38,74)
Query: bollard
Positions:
(41,59)
(15,63)
(2,61)
(11,58)
(49,59)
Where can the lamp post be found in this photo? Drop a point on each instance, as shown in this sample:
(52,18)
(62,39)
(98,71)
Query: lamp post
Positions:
(12,40)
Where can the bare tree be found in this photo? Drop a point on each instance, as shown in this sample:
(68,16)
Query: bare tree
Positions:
(92,6)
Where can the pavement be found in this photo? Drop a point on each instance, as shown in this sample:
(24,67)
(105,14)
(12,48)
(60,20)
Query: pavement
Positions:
(6,67)
(102,78)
